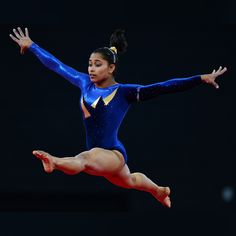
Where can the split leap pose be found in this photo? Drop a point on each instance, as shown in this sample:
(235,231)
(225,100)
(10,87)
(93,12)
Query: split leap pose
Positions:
(104,103)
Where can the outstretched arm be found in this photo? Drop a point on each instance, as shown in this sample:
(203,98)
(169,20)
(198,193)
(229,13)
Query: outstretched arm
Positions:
(23,40)
(137,92)
(146,92)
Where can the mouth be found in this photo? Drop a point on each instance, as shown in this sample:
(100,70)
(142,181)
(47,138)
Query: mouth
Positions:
(92,76)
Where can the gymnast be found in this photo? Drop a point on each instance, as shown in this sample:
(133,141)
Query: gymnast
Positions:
(104,103)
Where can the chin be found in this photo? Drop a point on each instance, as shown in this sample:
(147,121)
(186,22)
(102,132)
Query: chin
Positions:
(93,80)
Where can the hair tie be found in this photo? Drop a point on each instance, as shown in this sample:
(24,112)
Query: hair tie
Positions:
(113,49)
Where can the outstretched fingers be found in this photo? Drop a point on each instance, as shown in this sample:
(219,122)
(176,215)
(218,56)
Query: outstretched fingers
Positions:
(20,32)
(215,84)
(26,32)
(14,38)
(221,71)
(17,34)
(215,74)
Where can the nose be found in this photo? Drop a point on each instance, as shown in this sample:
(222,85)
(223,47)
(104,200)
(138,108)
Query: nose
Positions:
(91,69)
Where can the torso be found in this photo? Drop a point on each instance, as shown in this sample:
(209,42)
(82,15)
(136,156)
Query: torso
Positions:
(103,111)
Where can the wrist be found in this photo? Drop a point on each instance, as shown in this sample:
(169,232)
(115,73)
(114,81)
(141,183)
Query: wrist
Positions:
(204,77)
(29,44)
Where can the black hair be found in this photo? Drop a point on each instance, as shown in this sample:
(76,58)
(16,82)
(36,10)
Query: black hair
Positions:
(117,40)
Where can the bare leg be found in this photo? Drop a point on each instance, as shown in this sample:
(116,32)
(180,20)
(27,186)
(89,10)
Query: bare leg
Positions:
(69,165)
(107,163)
(141,182)
(97,161)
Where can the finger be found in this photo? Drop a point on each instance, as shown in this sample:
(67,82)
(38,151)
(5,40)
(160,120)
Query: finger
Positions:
(14,38)
(26,32)
(215,85)
(16,34)
(221,72)
(21,51)
(219,69)
(20,31)
(214,71)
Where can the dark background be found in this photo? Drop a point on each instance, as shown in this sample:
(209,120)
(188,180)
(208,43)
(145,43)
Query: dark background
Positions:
(183,140)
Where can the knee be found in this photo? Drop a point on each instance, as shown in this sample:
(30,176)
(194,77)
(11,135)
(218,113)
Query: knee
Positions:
(137,179)
(91,154)
(133,181)
(87,157)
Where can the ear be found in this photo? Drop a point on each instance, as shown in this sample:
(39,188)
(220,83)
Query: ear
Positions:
(112,67)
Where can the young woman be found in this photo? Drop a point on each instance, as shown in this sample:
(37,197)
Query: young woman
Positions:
(104,103)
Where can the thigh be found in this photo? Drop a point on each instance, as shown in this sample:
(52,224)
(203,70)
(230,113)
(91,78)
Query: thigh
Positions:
(101,162)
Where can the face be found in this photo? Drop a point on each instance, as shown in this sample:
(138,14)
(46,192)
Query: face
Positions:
(99,69)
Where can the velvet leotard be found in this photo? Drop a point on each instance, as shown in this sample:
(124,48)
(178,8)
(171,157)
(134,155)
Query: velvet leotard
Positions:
(103,109)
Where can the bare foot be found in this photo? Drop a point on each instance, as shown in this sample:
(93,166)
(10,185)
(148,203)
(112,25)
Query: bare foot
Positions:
(162,195)
(47,160)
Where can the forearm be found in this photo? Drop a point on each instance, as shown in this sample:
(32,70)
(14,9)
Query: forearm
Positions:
(45,57)
(170,86)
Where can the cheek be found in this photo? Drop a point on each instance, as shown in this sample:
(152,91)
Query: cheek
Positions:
(102,71)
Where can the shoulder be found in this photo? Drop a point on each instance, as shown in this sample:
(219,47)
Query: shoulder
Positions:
(129,86)
(130,91)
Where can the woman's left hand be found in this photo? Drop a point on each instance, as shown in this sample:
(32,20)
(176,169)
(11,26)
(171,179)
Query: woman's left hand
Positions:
(210,78)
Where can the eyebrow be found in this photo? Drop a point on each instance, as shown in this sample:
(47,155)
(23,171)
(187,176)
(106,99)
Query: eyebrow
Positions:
(95,60)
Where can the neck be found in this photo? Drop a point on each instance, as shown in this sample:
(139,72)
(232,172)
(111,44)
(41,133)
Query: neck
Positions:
(105,83)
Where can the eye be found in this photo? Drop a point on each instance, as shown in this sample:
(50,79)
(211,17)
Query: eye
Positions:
(98,64)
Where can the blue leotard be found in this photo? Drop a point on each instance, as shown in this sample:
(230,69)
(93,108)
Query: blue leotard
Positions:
(103,109)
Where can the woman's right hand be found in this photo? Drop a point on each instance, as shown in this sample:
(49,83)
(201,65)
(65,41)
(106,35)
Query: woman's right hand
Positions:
(22,39)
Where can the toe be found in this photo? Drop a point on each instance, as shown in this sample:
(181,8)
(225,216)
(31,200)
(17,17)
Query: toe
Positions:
(167,202)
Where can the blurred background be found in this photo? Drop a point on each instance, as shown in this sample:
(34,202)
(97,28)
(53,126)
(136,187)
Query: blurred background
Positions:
(183,140)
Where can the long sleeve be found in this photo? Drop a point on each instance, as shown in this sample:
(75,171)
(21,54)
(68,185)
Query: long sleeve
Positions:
(136,92)
(77,78)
